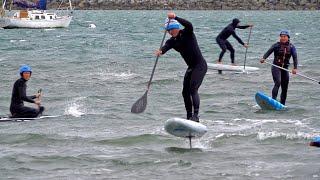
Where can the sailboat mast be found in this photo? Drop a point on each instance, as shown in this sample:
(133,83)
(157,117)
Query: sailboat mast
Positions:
(3,3)
(70,4)
(2,11)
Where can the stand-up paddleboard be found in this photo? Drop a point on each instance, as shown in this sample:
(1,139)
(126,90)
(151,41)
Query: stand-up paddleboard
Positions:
(227,67)
(266,102)
(9,119)
(185,128)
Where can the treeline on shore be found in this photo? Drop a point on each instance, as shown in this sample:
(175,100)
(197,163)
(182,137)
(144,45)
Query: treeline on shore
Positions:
(186,5)
(198,4)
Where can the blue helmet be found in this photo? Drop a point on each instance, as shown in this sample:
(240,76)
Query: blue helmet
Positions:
(316,139)
(25,68)
(173,24)
(285,32)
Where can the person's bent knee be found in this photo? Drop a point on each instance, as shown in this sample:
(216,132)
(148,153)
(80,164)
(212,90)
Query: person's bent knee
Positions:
(185,93)
(194,91)
(277,84)
(41,108)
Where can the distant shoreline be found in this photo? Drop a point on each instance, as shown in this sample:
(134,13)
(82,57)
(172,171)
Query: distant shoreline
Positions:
(197,5)
(287,5)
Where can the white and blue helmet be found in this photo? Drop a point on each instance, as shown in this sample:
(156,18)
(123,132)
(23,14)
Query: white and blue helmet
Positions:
(173,24)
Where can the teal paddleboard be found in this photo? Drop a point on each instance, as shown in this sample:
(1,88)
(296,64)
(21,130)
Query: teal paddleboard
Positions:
(266,102)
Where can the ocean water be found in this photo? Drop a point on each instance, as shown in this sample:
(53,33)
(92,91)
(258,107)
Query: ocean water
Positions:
(91,77)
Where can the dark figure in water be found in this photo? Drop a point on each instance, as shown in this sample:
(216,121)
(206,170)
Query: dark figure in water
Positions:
(184,41)
(225,34)
(315,142)
(17,108)
(283,50)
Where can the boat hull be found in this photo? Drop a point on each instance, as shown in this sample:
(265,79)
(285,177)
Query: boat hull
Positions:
(61,22)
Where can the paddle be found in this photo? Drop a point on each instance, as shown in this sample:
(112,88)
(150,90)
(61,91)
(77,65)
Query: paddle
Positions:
(140,105)
(291,72)
(39,98)
(245,55)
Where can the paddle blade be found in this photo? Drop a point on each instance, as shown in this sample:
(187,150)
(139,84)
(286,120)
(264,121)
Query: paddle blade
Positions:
(140,105)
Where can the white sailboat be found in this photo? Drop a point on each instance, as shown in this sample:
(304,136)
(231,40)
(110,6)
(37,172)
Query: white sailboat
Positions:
(37,17)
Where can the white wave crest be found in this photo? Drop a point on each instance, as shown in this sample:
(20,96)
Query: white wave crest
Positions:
(291,136)
(105,75)
(75,108)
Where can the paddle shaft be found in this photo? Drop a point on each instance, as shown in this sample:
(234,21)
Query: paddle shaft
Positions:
(291,72)
(140,105)
(154,68)
(245,55)
(155,64)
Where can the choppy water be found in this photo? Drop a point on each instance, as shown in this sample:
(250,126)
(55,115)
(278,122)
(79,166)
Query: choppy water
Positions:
(91,77)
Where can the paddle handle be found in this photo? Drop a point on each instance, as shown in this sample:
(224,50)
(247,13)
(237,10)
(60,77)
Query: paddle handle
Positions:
(312,79)
(39,98)
(245,54)
(155,64)
(40,93)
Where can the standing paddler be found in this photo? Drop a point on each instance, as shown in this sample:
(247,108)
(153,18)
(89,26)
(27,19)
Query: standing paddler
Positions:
(224,44)
(283,51)
(184,41)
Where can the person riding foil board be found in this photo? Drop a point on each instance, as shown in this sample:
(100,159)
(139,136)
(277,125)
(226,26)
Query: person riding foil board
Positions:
(184,41)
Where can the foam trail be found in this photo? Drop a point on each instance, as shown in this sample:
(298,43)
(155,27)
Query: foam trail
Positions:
(75,108)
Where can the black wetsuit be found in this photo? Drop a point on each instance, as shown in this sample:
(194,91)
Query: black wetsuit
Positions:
(186,44)
(17,108)
(225,34)
(282,55)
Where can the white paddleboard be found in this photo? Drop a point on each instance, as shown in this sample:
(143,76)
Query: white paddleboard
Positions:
(8,119)
(227,67)
(184,128)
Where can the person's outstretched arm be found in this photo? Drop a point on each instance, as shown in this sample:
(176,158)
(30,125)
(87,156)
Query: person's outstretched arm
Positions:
(187,25)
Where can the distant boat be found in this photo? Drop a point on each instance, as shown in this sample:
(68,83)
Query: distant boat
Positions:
(35,18)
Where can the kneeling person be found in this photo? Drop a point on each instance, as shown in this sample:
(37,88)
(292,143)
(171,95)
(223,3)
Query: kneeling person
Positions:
(17,108)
